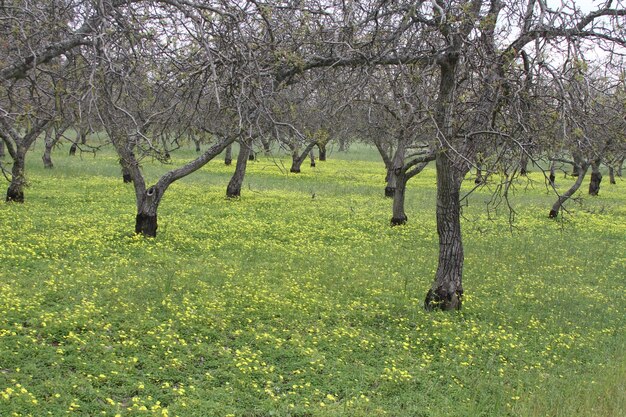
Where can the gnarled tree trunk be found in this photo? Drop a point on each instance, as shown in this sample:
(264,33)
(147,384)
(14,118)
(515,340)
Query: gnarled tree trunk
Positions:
(146,220)
(15,192)
(234,185)
(596,178)
(391,179)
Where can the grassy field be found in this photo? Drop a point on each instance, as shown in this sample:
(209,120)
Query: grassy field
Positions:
(299,300)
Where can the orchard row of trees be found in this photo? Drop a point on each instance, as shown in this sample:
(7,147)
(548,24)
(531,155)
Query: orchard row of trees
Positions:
(475,86)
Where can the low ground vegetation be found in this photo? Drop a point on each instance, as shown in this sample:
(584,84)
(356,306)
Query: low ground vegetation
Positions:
(298,299)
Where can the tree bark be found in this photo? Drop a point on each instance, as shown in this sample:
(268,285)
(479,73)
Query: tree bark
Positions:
(15,192)
(581,172)
(73,149)
(620,163)
(446,292)
(47,150)
(146,220)
(596,178)
(391,179)
(524,163)
(298,159)
(398,216)
(2,151)
(234,186)
(612,175)
(322,151)
(228,155)
(312,157)
(552,176)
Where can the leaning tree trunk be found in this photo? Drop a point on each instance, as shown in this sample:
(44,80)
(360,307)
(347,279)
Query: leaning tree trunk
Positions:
(312,157)
(580,174)
(298,159)
(447,290)
(126,177)
(596,178)
(228,155)
(47,150)
(15,192)
(398,216)
(234,186)
(322,151)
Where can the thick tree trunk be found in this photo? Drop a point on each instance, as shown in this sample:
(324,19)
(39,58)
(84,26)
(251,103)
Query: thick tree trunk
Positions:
(575,170)
(552,176)
(47,150)
(447,290)
(73,149)
(312,157)
(15,192)
(234,186)
(322,151)
(596,178)
(146,220)
(398,216)
(228,155)
(126,177)
(556,207)
(612,175)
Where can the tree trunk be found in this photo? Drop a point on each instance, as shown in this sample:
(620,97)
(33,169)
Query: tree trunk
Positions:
(523,170)
(47,150)
(228,155)
(398,216)
(297,159)
(343,145)
(15,191)
(82,134)
(146,220)
(447,290)
(126,177)
(390,189)
(479,176)
(2,151)
(267,146)
(73,149)
(234,186)
(612,175)
(312,157)
(322,151)
(575,170)
(620,162)
(596,178)
(552,176)
(582,171)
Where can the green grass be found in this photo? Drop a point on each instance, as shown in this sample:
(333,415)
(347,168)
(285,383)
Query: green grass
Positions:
(299,300)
